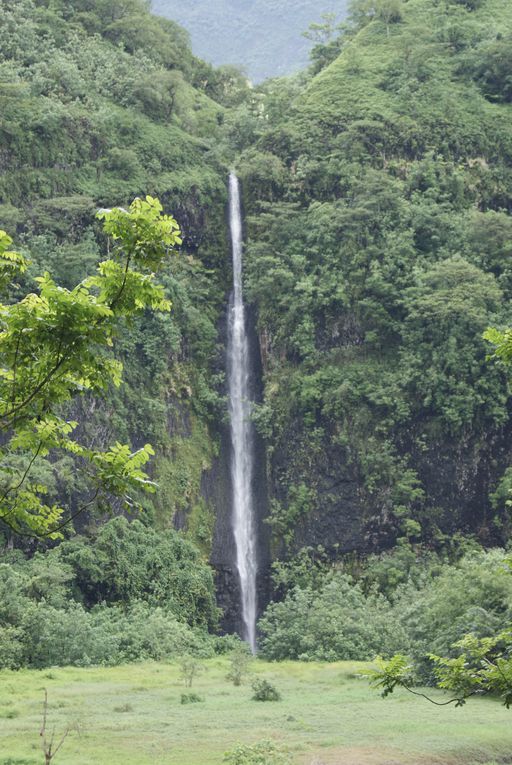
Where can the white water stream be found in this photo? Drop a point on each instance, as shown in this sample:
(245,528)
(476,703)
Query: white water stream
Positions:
(242,443)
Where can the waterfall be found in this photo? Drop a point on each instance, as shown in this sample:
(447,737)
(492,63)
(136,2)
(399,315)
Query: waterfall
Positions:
(242,442)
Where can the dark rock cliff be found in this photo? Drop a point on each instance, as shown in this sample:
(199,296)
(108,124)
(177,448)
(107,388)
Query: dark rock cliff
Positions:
(217,491)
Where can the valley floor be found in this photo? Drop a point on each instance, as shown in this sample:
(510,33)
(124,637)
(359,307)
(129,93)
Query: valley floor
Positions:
(132,715)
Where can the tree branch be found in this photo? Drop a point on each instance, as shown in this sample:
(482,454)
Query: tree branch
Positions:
(456,700)
(35,535)
(34,393)
(25,474)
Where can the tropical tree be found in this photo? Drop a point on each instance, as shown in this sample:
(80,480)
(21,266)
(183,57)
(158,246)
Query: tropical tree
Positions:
(56,344)
(480,666)
(483,666)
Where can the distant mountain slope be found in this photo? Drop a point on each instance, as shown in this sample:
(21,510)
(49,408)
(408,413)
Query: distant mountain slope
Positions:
(265,36)
(378,201)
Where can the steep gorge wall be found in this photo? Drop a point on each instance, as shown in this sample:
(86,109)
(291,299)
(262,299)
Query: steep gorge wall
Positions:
(378,249)
(378,253)
(217,491)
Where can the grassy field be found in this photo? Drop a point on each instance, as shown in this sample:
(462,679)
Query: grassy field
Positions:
(132,715)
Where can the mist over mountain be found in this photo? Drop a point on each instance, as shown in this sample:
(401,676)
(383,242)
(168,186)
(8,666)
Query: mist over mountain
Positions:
(264,36)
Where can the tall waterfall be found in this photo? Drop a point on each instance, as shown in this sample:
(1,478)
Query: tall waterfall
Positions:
(242,442)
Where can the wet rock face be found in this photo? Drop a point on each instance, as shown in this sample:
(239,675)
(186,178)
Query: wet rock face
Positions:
(227,586)
(335,518)
(228,596)
(217,491)
(457,475)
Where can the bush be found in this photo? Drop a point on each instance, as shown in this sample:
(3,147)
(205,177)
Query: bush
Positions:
(106,635)
(265,691)
(149,586)
(191,698)
(190,668)
(426,609)
(475,596)
(128,561)
(471,5)
(11,648)
(491,70)
(123,708)
(240,660)
(336,622)
(262,753)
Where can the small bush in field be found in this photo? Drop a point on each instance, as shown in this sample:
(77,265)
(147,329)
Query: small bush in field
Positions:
(240,660)
(124,708)
(265,691)
(191,698)
(190,668)
(9,714)
(262,753)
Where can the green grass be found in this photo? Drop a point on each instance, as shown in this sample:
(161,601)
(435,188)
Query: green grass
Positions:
(132,715)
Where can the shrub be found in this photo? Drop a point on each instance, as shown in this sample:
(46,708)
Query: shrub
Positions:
(107,635)
(124,708)
(262,753)
(491,70)
(426,608)
(335,622)
(129,561)
(240,660)
(11,648)
(191,698)
(471,5)
(190,668)
(265,691)
(475,596)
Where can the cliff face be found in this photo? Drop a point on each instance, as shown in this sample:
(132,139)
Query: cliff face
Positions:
(98,108)
(378,200)
(456,477)
(378,252)
(217,490)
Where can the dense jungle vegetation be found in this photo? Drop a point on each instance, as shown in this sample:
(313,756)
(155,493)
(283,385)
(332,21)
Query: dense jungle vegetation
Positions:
(378,201)
(102,102)
(377,191)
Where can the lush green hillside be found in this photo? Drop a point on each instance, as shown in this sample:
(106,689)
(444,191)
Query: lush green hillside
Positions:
(262,36)
(100,102)
(379,238)
(379,250)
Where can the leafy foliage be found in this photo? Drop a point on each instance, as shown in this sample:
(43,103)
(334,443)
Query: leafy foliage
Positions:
(261,753)
(191,698)
(427,608)
(190,668)
(240,661)
(378,251)
(52,347)
(335,622)
(126,562)
(103,103)
(127,594)
(482,666)
(265,691)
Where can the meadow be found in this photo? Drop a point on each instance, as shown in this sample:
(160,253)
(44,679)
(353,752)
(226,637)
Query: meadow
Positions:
(328,715)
